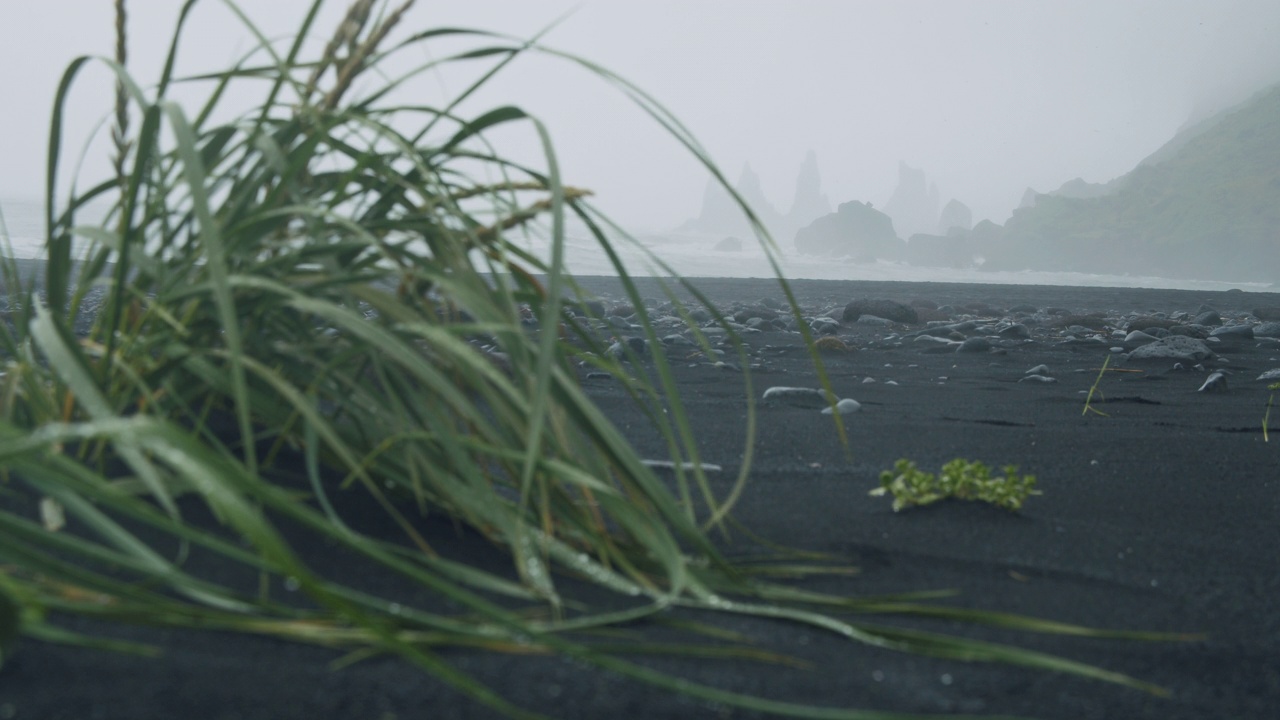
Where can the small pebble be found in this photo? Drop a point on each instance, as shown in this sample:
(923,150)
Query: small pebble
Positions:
(844,407)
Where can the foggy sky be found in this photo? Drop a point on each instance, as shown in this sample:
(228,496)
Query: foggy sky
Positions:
(987,97)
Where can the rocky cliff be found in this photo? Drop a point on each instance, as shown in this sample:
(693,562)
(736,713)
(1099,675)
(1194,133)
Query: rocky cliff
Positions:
(854,230)
(1206,205)
(914,203)
(722,215)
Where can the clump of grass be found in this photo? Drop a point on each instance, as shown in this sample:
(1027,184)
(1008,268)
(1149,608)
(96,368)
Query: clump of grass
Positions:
(959,479)
(328,276)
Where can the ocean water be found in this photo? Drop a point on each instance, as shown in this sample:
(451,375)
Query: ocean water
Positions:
(692,255)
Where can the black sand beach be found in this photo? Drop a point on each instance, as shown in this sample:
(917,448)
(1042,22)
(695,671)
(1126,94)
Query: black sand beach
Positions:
(1161,515)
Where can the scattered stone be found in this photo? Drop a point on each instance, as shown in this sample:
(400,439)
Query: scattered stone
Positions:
(753,313)
(1195,331)
(1038,370)
(1146,322)
(1233,332)
(1174,347)
(1039,378)
(887,309)
(1016,331)
(1091,322)
(874,320)
(844,407)
(797,396)
(1267,330)
(975,345)
(1209,317)
(1270,375)
(927,315)
(825,326)
(1271,312)
(1139,337)
(1217,382)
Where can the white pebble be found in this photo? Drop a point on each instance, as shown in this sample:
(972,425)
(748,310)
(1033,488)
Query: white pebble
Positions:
(844,407)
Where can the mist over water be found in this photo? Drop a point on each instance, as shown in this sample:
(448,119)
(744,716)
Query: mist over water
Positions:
(692,255)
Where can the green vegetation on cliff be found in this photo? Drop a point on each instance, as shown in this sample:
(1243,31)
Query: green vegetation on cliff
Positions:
(1206,205)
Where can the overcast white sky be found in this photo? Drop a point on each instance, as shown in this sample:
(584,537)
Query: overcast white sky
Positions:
(987,96)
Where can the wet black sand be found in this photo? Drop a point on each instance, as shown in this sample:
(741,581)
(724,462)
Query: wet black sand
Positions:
(1161,516)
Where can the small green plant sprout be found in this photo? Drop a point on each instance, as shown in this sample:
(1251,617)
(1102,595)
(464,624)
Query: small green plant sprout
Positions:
(1088,407)
(1267,416)
(960,479)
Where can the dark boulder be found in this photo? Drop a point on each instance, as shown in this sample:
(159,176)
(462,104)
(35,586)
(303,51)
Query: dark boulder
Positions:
(1146,322)
(854,229)
(1093,322)
(729,244)
(887,309)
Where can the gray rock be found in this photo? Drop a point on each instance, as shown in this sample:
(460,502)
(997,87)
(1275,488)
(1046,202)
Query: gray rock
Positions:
(873,320)
(1271,312)
(1139,337)
(1174,347)
(1195,331)
(1273,374)
(844,407)
(887,309)
(1016,331)
(797,396)
(1217,382)
(1267,329)
(825,326)
(1038,370)
(1209,317)
(1146,322)
(1233,332)
(1039,379)
(975,345)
